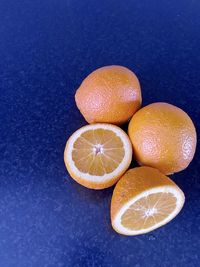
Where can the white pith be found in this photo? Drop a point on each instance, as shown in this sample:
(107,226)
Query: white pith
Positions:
(94,178)
(98,148)
(180,199)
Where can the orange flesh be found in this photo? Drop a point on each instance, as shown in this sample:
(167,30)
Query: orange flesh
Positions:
(98,152)
(148,211)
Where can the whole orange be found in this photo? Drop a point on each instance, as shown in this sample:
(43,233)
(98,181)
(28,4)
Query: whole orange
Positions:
(163,136)
(110,94)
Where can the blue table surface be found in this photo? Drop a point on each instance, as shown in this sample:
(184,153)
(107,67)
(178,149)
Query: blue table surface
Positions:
(47,47)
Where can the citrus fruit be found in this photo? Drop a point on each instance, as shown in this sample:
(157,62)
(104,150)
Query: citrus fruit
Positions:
(110,94)
(97,155)
(163,136)
(143,200)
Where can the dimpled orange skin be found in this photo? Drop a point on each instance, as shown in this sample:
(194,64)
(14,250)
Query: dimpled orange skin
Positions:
(109,94)
(163,137)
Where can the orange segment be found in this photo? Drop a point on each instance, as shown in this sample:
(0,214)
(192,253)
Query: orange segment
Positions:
(97,155)
(101,149)
(83,164)
(143,200)
(148,211)
(109,163)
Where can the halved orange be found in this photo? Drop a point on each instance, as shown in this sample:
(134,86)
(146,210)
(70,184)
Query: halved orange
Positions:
(143,200)
(97,155)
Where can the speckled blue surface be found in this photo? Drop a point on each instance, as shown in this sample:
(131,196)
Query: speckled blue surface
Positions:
(46,48)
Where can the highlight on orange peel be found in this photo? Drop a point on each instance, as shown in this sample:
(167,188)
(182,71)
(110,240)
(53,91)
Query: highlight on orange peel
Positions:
(109,94)
(144,199)
(97,155)
(163,136)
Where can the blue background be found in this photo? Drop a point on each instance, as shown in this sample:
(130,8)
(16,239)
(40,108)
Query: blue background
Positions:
(46,48)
